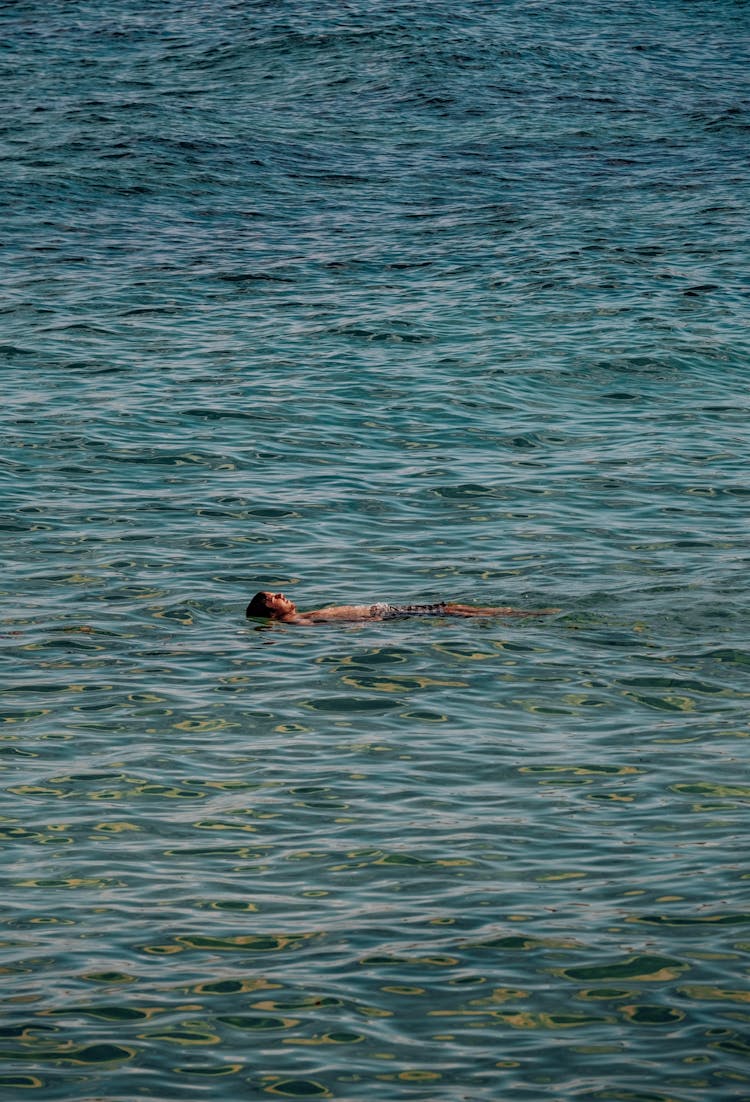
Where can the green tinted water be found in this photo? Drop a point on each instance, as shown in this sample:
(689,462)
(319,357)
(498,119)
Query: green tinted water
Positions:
(375,303)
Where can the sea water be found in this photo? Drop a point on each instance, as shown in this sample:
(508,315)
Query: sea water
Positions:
(375,301)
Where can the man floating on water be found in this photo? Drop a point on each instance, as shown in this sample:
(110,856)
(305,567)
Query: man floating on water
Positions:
(275,606)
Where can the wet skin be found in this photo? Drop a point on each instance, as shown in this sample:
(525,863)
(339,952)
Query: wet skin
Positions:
(275,606)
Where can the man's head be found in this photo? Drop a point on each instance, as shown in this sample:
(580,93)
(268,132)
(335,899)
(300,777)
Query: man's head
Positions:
(270,606)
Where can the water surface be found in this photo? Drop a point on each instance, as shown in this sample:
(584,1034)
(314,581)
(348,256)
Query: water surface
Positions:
(375,301)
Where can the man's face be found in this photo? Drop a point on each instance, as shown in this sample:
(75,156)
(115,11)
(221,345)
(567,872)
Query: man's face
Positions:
(280,604)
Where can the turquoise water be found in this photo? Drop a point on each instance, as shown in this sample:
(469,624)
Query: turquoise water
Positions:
(375,301)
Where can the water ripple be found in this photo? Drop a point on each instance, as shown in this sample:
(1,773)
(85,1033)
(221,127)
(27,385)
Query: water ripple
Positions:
(369,302)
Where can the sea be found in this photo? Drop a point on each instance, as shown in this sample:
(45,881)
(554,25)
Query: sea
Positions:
(362,301)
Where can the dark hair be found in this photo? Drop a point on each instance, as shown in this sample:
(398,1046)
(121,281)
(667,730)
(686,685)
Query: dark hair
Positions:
(258,606)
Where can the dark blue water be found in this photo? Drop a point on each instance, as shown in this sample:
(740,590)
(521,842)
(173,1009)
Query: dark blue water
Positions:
(375,301)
